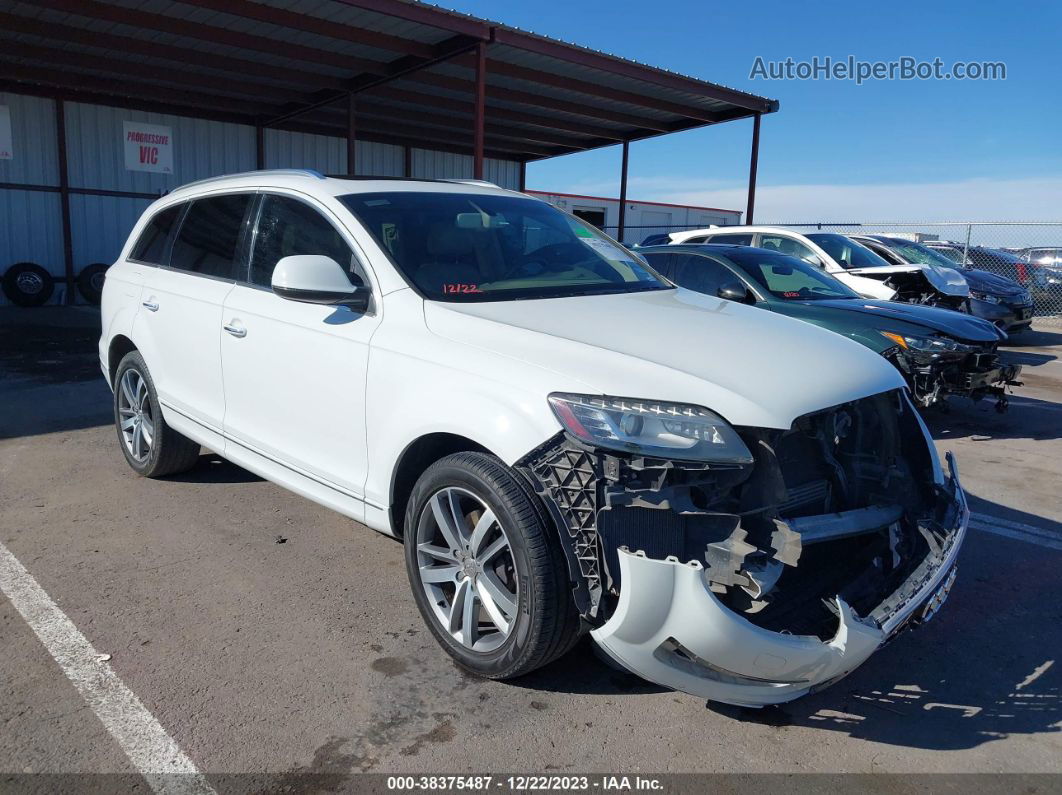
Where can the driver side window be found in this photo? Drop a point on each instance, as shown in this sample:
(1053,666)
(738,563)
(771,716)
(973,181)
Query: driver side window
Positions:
(287,227)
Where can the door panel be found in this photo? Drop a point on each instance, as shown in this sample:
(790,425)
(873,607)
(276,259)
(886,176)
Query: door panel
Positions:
(294,372)
(179,324)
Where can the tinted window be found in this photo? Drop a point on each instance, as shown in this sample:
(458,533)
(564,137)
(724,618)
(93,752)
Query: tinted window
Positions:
(287,227)
(702,274)
(659,261)
(788,277)
(697,239)
(786,245)
(154,243)
(210,234)
(493,247)
(847,253)
(733,240)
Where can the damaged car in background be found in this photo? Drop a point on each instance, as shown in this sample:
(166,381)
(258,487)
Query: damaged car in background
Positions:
(940,352)
(846,260)
(566,441)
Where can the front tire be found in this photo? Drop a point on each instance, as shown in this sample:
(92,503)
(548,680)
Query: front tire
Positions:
(151,447)
(486,569)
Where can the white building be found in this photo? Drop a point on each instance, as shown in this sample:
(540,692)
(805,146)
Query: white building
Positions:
(642,218)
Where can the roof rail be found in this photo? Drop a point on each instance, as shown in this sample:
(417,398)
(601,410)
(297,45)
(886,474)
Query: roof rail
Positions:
(290,172)
(482,182)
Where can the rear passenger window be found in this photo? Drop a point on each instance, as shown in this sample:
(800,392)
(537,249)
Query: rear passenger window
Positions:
(700,273)
(287,227)
(733,240)
(153,245)
(209,236)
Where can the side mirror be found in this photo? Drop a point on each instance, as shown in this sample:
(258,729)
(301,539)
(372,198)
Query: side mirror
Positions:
(317,279)
(733,291)
(813,260)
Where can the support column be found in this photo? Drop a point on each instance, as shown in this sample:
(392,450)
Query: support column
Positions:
(753,165)
(407,156)
(523,176)
(623,194)
(259,147)
(351,133)
(480,111)
(64,201)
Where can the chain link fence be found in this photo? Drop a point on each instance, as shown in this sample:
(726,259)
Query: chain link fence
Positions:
(1027,252)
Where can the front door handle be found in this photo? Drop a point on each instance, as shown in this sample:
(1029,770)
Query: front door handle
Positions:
(236,331)
(151,305)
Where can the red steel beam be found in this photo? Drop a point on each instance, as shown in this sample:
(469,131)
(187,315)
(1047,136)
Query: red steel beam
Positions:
(93,9)
(478,122)
(68,34)
(623,192)
(426,15)
(311,24)
(351,133)
(754,161)
(619,66)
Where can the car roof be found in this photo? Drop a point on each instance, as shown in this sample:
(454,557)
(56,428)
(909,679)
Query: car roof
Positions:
(314,182)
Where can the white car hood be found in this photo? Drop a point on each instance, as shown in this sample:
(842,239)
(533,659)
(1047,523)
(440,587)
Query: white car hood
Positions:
(753,367)
(947,280)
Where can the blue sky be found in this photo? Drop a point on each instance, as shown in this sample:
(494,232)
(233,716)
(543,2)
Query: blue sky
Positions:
(899,150)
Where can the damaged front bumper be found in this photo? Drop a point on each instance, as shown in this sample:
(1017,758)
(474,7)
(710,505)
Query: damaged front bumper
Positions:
(670,628)
(974,376)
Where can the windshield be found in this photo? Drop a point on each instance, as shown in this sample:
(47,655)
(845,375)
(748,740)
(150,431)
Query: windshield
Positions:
(847,252)
(486,247)
(919,254)
(787,277)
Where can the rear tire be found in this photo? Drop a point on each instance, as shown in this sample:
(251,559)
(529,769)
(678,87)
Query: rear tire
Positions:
(497,553)
(90,282)
(151,447)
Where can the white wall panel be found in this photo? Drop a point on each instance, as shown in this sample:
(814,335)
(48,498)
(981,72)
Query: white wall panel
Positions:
(503,173)
(31,230)
(324,153)
(429,164)
(201,149)
(35,152)
(99,226)
(374,159)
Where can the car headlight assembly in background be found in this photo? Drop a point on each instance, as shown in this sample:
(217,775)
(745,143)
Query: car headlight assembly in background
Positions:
(929,346)
(988,298)
(650,428)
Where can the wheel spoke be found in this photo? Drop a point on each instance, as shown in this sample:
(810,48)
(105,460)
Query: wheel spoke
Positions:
(147,429)
(492,550)
(437,552)
(501,596)
(457,606)
(137,439)
(128,423)
(126,412)
(141,392)
(470,618)
(482,528)
(442,507)
(127,389)
(439,573)
(496,615)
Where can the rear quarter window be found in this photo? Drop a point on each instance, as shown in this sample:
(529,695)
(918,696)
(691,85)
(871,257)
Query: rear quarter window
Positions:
(153,245)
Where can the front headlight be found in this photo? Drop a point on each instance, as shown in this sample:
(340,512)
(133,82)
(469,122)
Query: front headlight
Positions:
(988,298)
(650,427)
(931,345)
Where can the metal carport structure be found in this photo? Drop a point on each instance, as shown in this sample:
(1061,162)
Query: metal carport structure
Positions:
(391,71)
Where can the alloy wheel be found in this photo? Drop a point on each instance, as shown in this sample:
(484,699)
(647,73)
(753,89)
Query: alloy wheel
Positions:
(134,415)
(466,567)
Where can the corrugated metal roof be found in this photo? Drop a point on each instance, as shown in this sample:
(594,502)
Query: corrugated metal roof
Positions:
(412,65)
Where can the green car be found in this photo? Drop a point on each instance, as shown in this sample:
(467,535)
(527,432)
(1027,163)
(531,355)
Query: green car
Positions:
(940,352)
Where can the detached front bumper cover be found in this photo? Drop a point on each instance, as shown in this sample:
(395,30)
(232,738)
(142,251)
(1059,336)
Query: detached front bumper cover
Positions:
(669,627)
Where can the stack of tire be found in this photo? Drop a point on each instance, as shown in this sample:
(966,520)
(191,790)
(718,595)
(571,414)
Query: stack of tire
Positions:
(28,284)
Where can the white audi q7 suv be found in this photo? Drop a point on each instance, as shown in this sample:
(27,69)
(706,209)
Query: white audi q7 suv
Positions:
(730,502)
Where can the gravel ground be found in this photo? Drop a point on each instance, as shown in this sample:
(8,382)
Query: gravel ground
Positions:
(268,635)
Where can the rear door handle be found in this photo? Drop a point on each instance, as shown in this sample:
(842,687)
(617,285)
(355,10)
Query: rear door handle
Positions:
(151,305)
(236,331)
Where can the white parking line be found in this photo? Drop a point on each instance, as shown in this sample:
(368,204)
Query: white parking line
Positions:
(151,750)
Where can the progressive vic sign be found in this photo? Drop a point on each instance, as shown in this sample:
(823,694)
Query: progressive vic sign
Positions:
(148,147)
